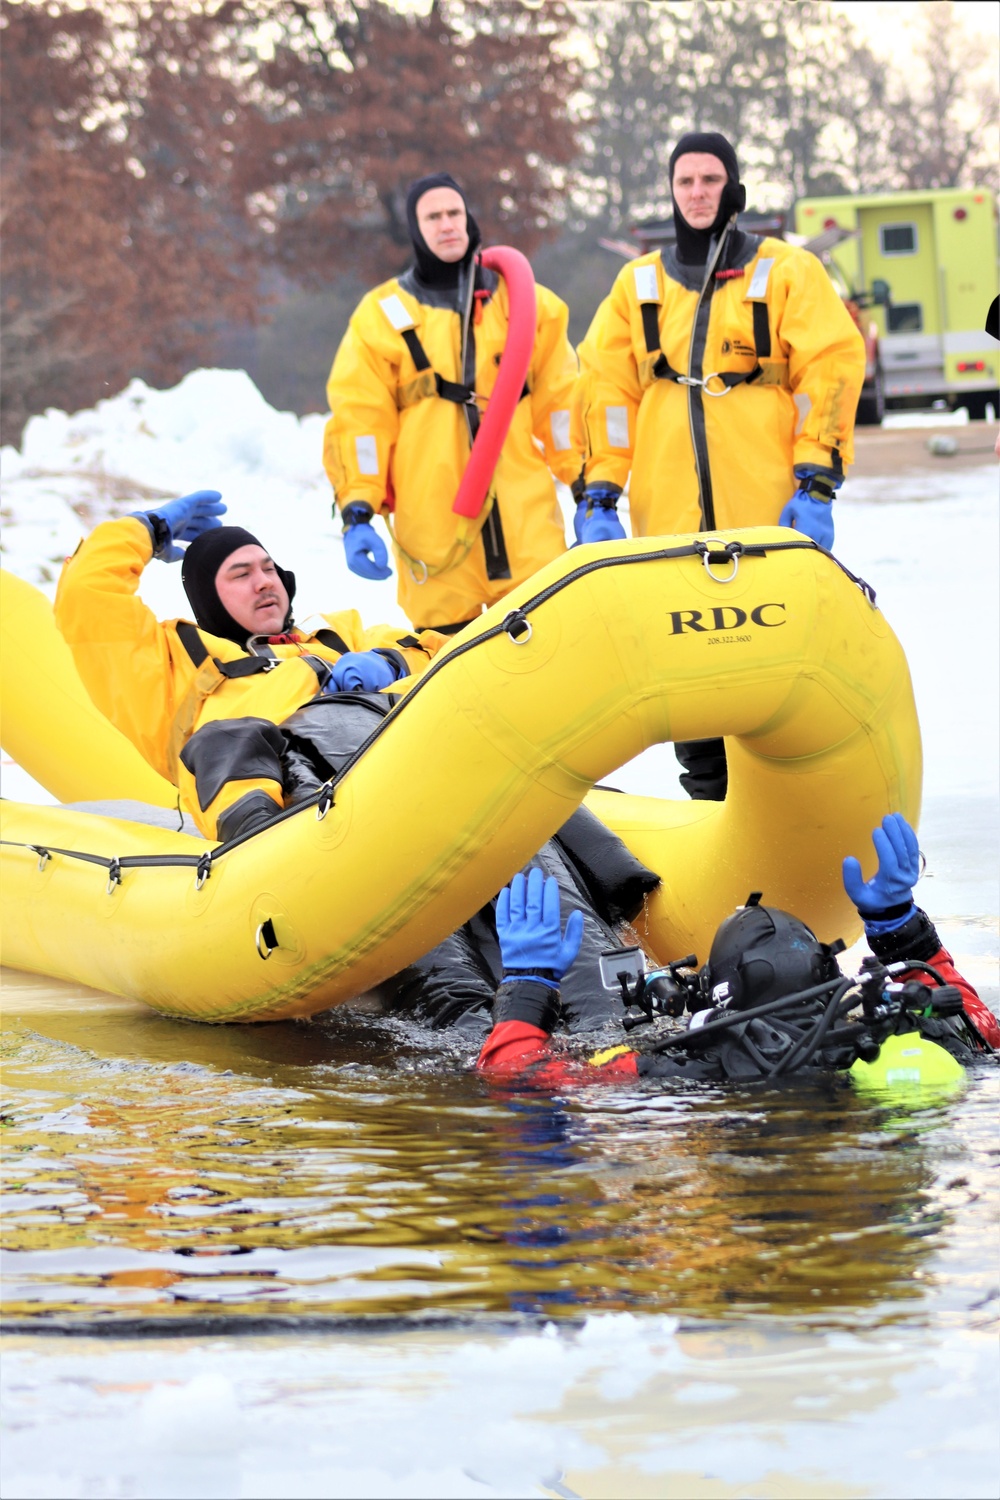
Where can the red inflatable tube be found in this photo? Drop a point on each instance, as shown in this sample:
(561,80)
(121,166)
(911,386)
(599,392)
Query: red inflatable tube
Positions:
(516,358)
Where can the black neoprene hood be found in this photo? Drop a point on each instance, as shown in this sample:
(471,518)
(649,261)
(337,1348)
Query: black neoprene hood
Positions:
(199,570)
(761,953)
(430,268)
(693,244)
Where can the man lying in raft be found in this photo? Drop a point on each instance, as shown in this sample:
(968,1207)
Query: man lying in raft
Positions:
(202,702)
(246,713)
(770,1001)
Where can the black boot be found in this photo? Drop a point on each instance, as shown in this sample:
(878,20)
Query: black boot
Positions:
(706,775)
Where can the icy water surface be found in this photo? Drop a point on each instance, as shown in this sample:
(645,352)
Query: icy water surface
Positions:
(171,1176)
(325,1260)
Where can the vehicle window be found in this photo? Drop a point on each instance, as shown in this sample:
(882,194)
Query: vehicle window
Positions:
(906,317)
(898,239)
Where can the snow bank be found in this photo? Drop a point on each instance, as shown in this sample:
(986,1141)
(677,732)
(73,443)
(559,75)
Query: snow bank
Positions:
(623,1405)
(213,431)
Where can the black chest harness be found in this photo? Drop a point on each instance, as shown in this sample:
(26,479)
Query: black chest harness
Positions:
(650,301)
(263,659)
(697,383)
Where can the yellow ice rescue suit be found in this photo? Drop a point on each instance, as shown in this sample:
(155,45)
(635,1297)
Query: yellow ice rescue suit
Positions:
(160,682)
(409,381)
(709,385)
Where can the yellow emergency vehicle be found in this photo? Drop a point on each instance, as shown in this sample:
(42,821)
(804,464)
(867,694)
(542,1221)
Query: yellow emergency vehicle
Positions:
(925,264)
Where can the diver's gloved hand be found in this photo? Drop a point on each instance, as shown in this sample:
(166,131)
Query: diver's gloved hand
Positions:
(886,901)
(360,672)
(810,510)
(596,518)
(530,929)
(366,552)
(180,521)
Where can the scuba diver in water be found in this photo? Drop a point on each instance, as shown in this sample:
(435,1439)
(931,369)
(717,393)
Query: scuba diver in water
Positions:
(770,1001)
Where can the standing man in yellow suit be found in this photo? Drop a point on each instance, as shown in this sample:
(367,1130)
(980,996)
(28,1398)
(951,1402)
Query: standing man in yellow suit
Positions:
(408,385)
(720,379)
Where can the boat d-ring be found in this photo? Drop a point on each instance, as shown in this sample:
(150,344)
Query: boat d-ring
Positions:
(420,564)
(325,801)
(114,876)
(266,939)
(203,872)
(518,628)
(708,557)
(43,856)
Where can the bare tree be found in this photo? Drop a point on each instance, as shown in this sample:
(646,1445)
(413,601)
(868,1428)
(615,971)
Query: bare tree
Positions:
(944,119)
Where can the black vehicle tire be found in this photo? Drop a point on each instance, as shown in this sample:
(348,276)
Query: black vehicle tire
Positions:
(976,403)
(871,404)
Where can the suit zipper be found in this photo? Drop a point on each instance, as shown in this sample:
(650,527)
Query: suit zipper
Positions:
(695,396)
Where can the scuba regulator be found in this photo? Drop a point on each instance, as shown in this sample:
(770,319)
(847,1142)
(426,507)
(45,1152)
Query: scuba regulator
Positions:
(771,1001)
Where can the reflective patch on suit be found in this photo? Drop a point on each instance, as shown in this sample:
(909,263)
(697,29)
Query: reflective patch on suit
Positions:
(616,420)
(396,313)
(366,449)
(559,422)
(804,404)
(758,284)
(646,288)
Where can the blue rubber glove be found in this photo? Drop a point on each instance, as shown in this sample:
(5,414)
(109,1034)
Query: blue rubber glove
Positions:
(810,510)
(181,521)
(529,927)
(366,552)
(360,672)
(596,519)
(892,884)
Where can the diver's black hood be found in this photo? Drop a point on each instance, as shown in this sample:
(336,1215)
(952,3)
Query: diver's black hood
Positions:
(761,953)
(431,270)
(693,245)
(199,570)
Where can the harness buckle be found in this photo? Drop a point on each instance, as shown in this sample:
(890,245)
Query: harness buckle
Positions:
(703,383)
(715,375)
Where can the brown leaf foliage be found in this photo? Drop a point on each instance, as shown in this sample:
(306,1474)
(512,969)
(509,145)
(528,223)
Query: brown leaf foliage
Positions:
(165,166)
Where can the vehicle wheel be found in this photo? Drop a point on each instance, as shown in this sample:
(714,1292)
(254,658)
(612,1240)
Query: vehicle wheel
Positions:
(871,405)
(976,403)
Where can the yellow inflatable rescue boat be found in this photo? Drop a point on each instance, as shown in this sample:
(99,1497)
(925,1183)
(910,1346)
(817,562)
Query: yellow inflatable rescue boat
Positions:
(756,635)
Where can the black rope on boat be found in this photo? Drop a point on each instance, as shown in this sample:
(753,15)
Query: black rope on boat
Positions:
(118,863)
(517,627)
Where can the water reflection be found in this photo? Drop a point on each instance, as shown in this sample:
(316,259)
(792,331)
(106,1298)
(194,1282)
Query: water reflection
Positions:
(161,1171)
